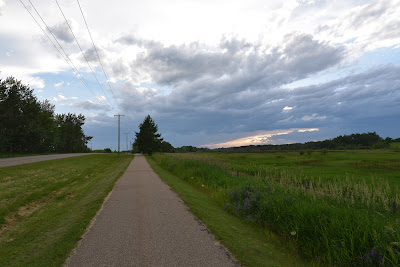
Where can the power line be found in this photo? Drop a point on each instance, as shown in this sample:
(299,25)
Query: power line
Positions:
(119,136)
(101,64)
(76,40)
(65,55)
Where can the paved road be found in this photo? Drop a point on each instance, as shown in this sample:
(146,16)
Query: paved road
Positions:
(7,162)
(144,223)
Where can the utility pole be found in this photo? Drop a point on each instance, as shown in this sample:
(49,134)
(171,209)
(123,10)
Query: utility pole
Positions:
(119,118)
(126,141)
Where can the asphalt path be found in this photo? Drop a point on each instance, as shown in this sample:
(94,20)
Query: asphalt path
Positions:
(7,162)
(144,223)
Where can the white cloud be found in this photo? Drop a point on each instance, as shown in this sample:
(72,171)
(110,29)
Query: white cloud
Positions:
(2,4)
(35,82)
(101,98)
(59,84)
(287,108)
(61,98)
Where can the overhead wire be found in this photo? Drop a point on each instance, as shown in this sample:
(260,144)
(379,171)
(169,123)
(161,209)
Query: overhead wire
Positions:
(87,61)
(102,67)
(101,64)
(65,55)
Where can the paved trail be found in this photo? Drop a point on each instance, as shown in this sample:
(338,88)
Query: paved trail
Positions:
(143,223)
(7,162)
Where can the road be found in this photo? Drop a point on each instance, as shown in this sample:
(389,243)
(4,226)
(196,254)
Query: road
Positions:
(7,162)
(144,223)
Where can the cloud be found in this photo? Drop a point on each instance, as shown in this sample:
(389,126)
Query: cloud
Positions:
(313,117)
(62,31)
(259,139)
(2,4)
(9,53)
(199,74)
(35,82)
(365,28)
(61,98)
(90,105)
(58,84)
(364,98)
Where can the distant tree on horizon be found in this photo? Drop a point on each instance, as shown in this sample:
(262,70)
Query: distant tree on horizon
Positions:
(147,139)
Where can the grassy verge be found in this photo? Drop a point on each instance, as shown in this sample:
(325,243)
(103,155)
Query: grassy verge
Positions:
(338,220)
(45,207)
(250,245)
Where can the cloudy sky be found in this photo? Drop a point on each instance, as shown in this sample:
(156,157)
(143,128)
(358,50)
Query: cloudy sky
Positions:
(211,73)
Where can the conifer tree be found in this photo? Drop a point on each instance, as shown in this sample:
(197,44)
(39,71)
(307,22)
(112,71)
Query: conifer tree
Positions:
(147,139)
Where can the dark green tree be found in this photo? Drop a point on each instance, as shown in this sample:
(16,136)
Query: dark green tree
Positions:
(147,139)
(26,124)
(166,147)
(70,136)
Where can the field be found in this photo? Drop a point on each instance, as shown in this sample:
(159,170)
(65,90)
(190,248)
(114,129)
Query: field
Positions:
(335,208)
(45,207)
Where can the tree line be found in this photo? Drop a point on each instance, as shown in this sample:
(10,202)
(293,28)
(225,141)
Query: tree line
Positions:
(28,125)
(369,140)
(149,141)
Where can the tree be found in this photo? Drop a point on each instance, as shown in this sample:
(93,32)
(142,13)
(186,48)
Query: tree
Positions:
(166,147)
(147,139)
(70,136)
(28,125)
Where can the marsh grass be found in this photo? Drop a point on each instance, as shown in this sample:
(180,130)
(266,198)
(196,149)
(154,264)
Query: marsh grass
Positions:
(45,207)
(342,219)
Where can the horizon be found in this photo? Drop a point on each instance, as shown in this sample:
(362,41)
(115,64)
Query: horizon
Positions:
(267,73)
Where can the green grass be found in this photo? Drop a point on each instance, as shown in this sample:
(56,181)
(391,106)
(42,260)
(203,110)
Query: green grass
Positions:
(336,208)
(45,207)
(250,245)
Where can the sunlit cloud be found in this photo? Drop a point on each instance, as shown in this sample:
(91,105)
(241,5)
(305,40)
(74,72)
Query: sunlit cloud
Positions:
(261,138)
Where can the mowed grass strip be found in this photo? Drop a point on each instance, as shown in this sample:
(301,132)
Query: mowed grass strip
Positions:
(45,207)
(249,244)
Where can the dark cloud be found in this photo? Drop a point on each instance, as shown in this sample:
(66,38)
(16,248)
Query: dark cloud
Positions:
(62,31)
(356,103)
(239,87)
(89,105)
(199,74)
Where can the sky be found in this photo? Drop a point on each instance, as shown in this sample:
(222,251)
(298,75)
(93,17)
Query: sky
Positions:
(211,73)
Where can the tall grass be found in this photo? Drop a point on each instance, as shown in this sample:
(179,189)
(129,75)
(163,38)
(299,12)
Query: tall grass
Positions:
(340,221)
